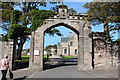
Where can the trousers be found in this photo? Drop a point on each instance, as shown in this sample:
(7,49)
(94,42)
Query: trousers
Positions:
(4,72)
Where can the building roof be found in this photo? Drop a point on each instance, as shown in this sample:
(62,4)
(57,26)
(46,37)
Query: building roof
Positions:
(64,39)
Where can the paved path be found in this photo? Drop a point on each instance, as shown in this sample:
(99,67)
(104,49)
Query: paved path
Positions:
(70,71)
(20,74)
(73,72)
(66,70)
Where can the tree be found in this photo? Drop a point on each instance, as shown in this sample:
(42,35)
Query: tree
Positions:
(72,11)
(49,47)
(104,12)
(38,17)
(31,7)
(55,9)
(17,32)
(23,18)
(27,50)
(55,47)
(6,11)
(118,40)
(107,13)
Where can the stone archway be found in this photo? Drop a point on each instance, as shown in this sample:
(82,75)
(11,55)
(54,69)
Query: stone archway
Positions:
(75,22)
(80,27)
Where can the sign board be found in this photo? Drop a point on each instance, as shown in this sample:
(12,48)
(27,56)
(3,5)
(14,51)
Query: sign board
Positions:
(36,52)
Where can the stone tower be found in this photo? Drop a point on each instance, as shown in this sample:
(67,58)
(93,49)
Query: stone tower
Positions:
(62,10)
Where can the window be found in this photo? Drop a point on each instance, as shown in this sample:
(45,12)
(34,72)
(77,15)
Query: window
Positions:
(75,51)
(71,43)
(65,51)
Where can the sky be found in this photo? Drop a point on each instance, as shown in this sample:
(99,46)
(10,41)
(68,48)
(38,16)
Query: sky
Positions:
(50,40)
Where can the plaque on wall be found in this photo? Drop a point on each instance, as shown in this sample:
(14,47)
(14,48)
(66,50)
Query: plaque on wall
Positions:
(36,52)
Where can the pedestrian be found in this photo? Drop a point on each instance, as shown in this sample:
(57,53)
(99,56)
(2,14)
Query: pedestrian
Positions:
(4,67)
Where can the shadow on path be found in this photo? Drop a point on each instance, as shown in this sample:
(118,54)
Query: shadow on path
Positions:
(21,78)
(21,65)
(65,62)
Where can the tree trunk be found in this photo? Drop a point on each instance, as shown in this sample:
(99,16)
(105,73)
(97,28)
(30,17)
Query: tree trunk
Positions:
(107,33)
(19,51)
(14,53)
(108,39)
(20,47)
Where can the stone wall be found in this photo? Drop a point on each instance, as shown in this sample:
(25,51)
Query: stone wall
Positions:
(105,53)
(6,48)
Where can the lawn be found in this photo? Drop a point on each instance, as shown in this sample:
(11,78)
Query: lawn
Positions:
(67,57)
(24,59)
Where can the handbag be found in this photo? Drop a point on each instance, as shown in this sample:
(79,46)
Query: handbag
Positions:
(11,74)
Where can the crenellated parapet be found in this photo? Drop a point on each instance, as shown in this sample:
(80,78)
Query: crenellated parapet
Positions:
(62,13)
(70,17)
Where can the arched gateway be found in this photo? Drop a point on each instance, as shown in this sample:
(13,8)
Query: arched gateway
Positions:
(77,23)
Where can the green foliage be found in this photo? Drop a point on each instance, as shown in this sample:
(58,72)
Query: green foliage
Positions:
(6,5)
(24,59)
(48,48)
(105,13)
(118,40)
(6,15)
(72,11)
(101,12)
(6,11)
(51,32)
(38,17)
(27,50)
(67,57)
(55,9)
(15,15)
(16,31)
(45,57)
(4,38)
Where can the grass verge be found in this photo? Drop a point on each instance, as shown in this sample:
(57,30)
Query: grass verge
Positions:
(67,57)
(24,59)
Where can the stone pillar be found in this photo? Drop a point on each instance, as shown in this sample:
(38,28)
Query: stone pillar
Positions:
(81,48)
(84,47)
(31,58)
(87,47)
(37,51)
(41,49)
(10,52)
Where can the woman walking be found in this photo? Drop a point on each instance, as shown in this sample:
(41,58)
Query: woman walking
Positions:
(4,67)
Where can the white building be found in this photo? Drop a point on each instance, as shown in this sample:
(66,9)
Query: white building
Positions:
(68,45)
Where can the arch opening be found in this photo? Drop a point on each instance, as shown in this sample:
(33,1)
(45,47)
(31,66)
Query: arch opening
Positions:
(65,49)
(65,25)
(84,44)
